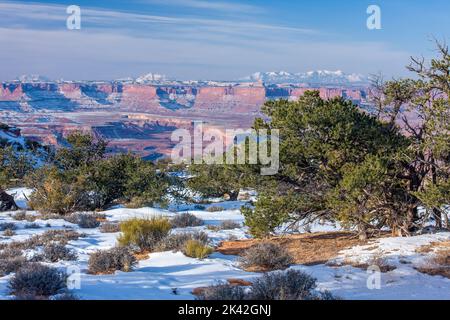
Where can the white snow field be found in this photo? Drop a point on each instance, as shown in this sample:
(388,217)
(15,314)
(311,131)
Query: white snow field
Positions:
(169,275)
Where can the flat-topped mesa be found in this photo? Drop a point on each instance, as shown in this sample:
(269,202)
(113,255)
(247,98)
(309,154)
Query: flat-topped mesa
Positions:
(174,98)
(142,116)
(10,92)
(139,98)
(232,99)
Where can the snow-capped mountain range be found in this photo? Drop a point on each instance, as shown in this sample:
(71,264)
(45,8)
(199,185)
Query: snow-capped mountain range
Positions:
(320,77)
(311,78)
(32,78)
(151,77)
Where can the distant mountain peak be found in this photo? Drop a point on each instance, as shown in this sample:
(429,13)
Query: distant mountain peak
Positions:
(32,78)
(151,77)
(318,77)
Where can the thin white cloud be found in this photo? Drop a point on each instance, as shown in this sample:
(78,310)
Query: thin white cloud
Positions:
(39,13)
(116,44)
(209,5)
(97,55)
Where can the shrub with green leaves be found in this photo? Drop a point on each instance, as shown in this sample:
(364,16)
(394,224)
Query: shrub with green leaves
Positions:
(196,249)
(269,213)
(83,178)
(57,191)
(144,233)
(15,164)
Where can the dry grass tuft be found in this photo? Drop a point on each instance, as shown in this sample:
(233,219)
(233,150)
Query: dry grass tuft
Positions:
(439,263)
(378,260)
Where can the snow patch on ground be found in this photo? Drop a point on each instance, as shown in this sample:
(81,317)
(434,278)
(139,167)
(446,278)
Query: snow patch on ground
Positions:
(169,275)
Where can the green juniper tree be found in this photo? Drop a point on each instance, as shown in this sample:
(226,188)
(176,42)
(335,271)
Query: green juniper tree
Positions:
(83,177)
(327,150)
(422,109)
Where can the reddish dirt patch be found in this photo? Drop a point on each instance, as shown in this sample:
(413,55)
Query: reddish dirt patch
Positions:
(141,255)
(307,249)
(239,282)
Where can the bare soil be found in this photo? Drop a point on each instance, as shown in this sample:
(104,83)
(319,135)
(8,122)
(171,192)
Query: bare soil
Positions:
(306,249)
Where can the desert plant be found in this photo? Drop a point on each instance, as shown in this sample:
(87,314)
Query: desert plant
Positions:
(215,209)
(56,191)
(144,233)
(85,220)
(7,226)
(109,227)
(222,291)
(19,216)
(40,240)
(66,296)
(55,252)
(9,233)
(266,256)
(88,221)
(32,226)
(22,215)
(62,236)
(11,264)
(196,249)
(37,280)
(288,285)
(177,241)
(187,219)
(108,261)
(8,252)
(229,225)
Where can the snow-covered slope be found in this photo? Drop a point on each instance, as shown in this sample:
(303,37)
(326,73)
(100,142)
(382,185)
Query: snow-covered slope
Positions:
(32,78)
(151,78)
(163,273)
(11,137)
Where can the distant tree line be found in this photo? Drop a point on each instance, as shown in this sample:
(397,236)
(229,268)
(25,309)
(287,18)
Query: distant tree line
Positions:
(82,176)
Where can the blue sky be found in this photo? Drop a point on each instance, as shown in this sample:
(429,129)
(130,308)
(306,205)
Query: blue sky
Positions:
(219,40)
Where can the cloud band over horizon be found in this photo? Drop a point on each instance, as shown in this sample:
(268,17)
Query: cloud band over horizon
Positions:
(215,40)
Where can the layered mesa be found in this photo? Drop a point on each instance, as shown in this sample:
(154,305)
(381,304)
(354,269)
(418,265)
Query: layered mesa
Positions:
(140,117)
